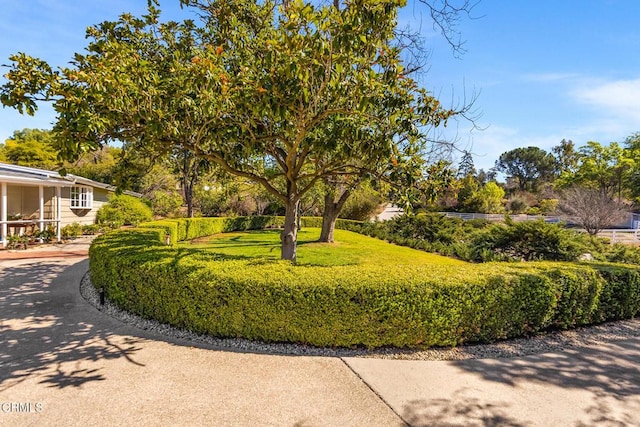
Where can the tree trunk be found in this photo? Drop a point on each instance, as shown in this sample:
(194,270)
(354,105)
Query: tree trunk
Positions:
(188,195)
(188,182)
(190,170)
(289,235)
(330,214)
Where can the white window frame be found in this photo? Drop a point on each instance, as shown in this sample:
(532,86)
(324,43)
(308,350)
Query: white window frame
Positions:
(81,197)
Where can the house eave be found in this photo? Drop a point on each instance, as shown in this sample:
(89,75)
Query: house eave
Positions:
(50,182)
(23,175)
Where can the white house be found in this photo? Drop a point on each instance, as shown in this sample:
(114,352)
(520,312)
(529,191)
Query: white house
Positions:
(31,197)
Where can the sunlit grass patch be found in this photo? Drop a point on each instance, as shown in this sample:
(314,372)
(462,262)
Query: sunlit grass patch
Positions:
(349,249)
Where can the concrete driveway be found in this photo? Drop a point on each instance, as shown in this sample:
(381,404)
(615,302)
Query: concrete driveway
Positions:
(62,362)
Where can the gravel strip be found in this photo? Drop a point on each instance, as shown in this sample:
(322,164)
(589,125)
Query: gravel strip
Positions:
(550,342)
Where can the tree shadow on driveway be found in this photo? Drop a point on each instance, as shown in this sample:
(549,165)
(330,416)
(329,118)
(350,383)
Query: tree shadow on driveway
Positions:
(606,377)
(612,369)
(460,410)
(44,327)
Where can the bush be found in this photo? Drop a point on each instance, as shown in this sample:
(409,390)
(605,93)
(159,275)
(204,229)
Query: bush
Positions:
(91,229)
(528,241)
(429,232)
(354,305)
(548,206)
(622,253)
(482,241)
(71,231)
(166,203)
(180,229)
(123,210)
(47,235)
(363,204)
(517,205)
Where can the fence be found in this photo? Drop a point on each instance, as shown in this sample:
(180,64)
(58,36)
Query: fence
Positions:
(500,217)
(620,235)
(616,235)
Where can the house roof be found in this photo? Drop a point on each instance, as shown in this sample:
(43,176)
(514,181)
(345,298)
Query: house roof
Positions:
(34,176)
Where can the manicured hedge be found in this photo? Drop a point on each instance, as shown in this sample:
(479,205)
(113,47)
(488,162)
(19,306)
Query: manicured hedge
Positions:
(361,305)
(181,229)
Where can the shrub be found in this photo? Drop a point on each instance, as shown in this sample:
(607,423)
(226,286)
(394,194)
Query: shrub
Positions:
(353,305)
(15,241)
(123,210)
(548,206)
(528,241)
(363,204)
(430,232)
(47,235)
(71,231)
(482,241)
(622,253)
(91,229)
(517,205)
(166,203)
(534,210)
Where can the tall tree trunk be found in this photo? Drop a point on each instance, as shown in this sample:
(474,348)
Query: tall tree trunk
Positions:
(330,214)
(289,235)
(190,173)
(188,196)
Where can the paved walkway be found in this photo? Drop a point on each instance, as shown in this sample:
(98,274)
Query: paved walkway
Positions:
(62,362)
(73,248)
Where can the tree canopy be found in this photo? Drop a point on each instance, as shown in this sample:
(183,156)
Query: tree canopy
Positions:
(603,167)
(30,147)
(529,166)
(284,95)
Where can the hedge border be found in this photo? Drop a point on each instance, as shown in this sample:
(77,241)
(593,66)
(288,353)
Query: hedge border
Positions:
(348,306)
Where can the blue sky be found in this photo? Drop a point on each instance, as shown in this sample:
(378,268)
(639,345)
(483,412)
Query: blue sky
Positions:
(544,70)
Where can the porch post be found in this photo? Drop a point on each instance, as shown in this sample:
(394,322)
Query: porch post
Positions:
(3,214)
(41,209)
(58,215)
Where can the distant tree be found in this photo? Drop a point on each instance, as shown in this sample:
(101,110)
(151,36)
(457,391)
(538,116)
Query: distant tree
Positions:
(485,176)
(567,157)
(469,187)
(160,185)
(528,166)
(592,208)
(189,167)
(490,198)
(337,190)
(466,166)
(605,168)
(32,148)
(632,142)
(99,165)
(632,150)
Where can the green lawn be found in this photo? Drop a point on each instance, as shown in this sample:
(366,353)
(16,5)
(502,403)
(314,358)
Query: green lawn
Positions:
(349,249)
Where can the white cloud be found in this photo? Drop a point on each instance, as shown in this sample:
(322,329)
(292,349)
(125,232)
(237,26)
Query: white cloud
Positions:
(613,98)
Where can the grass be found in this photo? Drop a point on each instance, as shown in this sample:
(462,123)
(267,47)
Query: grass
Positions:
(349,249)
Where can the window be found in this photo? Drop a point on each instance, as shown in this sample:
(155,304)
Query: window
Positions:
(81,197)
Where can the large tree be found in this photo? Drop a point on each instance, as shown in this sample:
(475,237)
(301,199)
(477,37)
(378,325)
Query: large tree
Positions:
(603,167)
(529,166)
(253,87)
(30,147)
